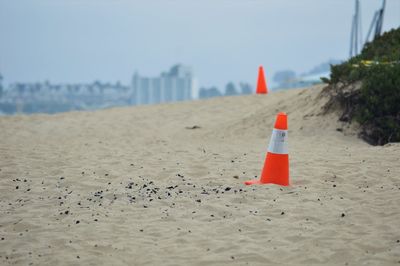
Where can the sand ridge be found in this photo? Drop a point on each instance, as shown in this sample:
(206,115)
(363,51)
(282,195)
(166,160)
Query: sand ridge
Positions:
(163,185)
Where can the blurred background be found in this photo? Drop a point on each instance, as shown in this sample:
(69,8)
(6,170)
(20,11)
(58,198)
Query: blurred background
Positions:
(62,55)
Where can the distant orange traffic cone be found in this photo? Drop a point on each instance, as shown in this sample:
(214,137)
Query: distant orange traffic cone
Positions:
(276,166)
(261,84)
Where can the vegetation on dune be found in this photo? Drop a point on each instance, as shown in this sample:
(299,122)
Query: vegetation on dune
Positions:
(367,87)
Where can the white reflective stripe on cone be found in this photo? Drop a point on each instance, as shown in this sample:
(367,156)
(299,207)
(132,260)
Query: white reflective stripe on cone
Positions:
(278,142)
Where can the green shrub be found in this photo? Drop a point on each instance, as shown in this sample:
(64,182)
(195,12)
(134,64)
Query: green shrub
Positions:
(384,48)
(347,73)
(376,106)
(378,109)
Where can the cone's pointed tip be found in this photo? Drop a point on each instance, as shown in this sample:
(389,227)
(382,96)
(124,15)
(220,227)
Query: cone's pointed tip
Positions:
(281,121)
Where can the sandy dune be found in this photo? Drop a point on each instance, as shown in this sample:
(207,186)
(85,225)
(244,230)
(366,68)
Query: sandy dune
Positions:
(139,186)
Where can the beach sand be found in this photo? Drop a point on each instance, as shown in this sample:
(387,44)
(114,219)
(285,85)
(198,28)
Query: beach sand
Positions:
(163,185)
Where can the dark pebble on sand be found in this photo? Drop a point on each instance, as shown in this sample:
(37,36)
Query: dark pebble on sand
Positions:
(77,222)
(334,185)
(236,177)
(227,188)
(343,215)
(66,212)
(106,175)
(17,187)
(282,213)
(3,239)
(198,200)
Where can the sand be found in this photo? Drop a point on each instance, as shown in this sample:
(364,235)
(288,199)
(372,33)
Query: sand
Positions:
(163,185)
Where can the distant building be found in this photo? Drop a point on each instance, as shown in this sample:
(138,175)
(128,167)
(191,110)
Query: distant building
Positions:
(175,85)
(172,86)
(53,98)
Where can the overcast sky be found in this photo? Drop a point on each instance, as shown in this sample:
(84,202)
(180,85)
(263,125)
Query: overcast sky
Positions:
(223,40)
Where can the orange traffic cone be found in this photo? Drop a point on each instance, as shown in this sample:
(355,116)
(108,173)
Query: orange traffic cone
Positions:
(261,84)
(276,166)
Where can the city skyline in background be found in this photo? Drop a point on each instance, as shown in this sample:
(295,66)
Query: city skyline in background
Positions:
(84,40)
(174,85)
